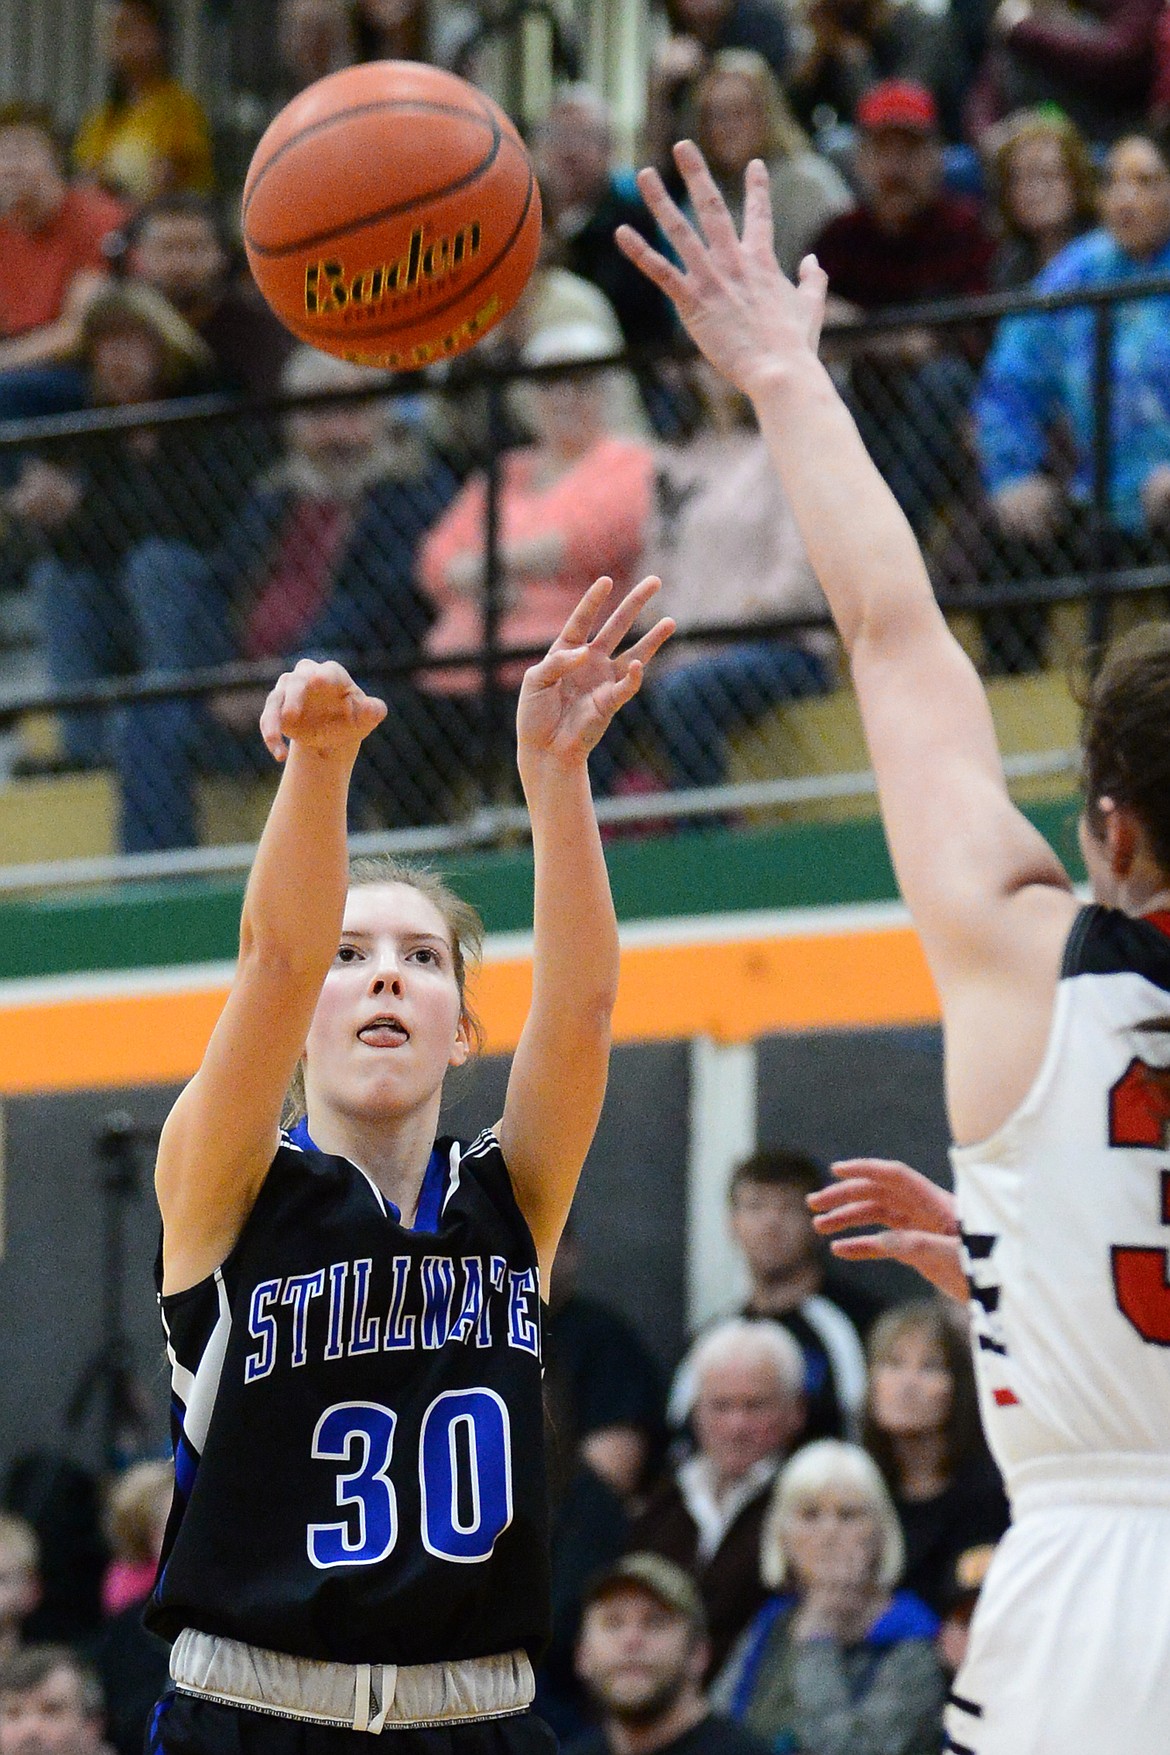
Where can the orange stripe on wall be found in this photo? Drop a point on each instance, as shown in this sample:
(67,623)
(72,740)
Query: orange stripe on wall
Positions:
(730,990)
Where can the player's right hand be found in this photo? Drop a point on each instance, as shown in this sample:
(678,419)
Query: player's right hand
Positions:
(919,1227)
(321,707)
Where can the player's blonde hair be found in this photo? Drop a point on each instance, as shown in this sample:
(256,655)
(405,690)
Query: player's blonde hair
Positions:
(817,1468)
(464,927)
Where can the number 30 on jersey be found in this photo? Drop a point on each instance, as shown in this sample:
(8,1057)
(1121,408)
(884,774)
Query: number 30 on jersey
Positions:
(464,1472)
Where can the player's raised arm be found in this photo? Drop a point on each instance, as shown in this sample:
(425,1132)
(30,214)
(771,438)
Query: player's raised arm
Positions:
(559,1071)
(963,854)
(219,1138)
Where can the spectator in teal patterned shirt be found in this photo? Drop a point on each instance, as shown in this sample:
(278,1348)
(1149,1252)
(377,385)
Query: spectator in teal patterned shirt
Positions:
(1035,399)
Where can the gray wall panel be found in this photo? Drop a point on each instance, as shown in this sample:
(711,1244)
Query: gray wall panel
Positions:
(852,1093)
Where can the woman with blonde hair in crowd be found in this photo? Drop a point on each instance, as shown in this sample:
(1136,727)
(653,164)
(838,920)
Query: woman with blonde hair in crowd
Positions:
(921,1426)
(742,114)
(135,1521)
(1044,185)
(839,1661)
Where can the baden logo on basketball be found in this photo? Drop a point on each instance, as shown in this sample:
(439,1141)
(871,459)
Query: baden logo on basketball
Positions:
(441,346)
(331,290)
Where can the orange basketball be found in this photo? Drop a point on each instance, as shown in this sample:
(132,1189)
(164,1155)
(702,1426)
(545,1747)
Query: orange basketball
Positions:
(391,214)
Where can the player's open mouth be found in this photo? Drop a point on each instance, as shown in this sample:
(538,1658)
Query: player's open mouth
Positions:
(384,1031)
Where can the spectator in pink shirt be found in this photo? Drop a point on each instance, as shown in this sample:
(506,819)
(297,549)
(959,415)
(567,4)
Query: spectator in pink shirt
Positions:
(574,504)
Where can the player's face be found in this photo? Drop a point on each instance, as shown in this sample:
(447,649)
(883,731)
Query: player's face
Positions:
(911,1389)
(771,1224)
(830,1536)
(48,1719)
(388,1023)
(742,1414)
(635,1654)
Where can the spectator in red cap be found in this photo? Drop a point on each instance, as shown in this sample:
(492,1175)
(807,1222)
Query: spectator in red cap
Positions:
(907,241)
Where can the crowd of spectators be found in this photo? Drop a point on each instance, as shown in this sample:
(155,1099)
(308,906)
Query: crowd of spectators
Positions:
(781,1552)
(924,153)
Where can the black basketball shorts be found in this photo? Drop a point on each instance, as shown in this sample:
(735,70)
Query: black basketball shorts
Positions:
(183,1724)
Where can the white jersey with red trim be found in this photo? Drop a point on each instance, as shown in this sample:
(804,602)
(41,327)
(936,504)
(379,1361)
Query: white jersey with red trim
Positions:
(1065,1217)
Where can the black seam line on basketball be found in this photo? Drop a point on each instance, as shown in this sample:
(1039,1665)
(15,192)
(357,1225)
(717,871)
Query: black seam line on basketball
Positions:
(425,104)
(319,238)
(358,334)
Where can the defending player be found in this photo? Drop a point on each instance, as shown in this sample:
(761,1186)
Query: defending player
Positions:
(358,1538)
(1060,1159)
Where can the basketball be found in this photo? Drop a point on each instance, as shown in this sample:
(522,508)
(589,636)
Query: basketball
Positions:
(391,214)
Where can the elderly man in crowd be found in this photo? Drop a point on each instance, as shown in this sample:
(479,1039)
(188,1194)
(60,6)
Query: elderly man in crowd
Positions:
(707,1513)
(50,1704)
(641,1654)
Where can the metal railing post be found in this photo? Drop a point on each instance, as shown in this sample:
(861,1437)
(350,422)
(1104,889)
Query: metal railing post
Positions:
(1101,544)
(493,750)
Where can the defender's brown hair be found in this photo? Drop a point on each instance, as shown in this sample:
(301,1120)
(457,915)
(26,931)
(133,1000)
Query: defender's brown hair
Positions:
(1126,735)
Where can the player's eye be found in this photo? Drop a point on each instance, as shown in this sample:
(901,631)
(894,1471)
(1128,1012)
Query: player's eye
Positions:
(425,954)
(347,953)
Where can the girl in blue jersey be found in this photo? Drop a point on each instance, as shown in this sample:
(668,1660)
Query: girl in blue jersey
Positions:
(353,1310)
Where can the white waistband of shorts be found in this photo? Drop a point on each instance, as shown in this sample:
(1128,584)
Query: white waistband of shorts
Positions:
(362,1697)
(1097,1478)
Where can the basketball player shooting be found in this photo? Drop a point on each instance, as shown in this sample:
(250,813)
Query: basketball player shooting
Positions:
(1052,1019)
(358,1540)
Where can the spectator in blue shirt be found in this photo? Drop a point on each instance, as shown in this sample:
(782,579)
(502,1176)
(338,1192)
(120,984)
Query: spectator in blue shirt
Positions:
(1034,405)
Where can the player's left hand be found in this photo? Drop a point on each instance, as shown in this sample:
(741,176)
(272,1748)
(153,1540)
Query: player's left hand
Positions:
(733,301)
(569,698)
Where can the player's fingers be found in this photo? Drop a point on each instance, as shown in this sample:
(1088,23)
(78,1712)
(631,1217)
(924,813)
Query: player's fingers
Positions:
(686,242)
(759,232)
(842,1167)
(827,1200)
(624,689)
(617,625)
(583,618)
(710,209)
(556,664)
(874,1246)
(652,641)
(369,712)
(654,266)
(270,721)
(813,287)
(853,1212)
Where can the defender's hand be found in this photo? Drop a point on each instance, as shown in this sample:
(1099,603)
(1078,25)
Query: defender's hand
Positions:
(730,294)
